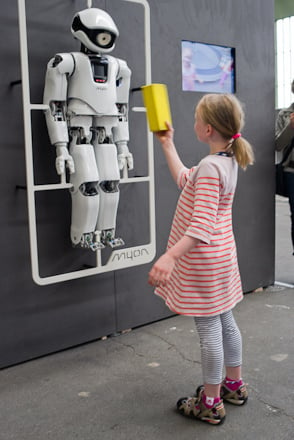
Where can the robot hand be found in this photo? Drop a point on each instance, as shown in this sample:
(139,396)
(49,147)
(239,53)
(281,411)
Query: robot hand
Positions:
(63,158)
(124,157)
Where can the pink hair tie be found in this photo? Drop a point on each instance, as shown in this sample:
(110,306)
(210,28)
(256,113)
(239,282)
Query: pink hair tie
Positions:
(236,136)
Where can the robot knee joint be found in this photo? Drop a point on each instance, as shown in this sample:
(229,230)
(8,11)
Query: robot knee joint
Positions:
(89,189)
(109,186)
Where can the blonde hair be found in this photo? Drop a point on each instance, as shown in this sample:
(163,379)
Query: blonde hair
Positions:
(225,114)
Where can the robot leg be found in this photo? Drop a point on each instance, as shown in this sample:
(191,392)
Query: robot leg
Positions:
(85,197)
(106,157)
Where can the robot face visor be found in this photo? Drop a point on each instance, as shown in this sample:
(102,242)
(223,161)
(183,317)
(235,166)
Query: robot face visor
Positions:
(103,38)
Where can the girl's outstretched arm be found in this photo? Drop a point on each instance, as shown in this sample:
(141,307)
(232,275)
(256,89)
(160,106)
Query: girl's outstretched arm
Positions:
(174,162)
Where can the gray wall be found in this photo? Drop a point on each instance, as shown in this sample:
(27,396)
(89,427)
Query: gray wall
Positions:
(36,320)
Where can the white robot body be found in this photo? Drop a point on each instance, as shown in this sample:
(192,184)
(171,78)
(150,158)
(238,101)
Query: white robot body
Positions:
(106,156)
(95,20)
(121,132)
(84,192)
(55,96)
(101,97)
(81,123)
(87,93)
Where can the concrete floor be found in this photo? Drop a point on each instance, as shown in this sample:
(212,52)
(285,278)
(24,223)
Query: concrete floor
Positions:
(126,387)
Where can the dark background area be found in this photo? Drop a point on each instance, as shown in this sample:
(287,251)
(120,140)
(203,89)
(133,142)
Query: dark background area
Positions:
(37,320)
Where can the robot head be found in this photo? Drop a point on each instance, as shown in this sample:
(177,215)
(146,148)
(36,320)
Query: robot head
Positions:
(95,29)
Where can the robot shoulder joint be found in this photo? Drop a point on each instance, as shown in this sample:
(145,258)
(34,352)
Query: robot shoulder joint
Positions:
(63,62)
(124,70)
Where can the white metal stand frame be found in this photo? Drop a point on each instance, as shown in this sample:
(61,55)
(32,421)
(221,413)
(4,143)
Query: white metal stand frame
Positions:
(119,259)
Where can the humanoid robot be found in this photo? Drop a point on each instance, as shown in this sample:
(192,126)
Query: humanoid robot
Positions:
(87,93)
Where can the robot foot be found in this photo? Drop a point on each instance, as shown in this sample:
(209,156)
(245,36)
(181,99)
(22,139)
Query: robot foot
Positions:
(116,242)
(108,239)
(88,242)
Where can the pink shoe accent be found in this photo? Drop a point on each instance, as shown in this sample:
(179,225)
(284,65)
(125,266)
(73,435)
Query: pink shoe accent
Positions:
(209,402)
(233,385)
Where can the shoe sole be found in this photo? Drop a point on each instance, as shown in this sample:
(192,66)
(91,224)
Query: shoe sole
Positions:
(204,419)
(235,402)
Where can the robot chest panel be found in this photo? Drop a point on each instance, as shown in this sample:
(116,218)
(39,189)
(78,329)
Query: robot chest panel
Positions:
(94,83)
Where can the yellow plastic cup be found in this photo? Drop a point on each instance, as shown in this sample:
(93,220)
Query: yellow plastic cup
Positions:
(156,101)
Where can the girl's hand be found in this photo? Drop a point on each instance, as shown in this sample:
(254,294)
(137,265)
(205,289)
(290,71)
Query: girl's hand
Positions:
(161,270)
(165,135)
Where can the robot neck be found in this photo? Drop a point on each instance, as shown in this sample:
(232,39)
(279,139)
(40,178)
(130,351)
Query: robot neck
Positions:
(86,51)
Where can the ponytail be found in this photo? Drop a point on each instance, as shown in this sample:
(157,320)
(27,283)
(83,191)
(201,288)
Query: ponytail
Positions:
(243,152)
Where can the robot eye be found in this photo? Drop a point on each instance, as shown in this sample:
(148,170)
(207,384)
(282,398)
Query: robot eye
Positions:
(104,39)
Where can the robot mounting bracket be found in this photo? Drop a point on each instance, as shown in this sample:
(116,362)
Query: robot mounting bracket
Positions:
(119,258)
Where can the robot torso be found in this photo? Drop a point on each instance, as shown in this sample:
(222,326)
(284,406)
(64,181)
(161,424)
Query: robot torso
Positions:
(92,87)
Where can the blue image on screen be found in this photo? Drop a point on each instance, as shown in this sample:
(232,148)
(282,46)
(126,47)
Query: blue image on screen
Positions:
(208,68)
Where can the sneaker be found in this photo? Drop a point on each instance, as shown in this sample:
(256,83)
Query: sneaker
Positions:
(195,408)
(237,397)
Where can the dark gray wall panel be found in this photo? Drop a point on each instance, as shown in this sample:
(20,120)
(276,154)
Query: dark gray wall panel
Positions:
(248,27)
(38,320)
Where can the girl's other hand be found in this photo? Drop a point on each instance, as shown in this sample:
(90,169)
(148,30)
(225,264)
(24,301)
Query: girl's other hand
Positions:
(161,270)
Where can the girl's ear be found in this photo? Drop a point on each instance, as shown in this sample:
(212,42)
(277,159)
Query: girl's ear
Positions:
(209,129)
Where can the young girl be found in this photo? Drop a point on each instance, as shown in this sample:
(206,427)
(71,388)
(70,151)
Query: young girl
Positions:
(198,275)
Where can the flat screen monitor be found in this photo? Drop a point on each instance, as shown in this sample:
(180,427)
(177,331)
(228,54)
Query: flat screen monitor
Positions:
(208,67)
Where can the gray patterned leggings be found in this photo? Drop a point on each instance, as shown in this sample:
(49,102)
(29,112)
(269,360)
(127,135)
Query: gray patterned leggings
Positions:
(220,343)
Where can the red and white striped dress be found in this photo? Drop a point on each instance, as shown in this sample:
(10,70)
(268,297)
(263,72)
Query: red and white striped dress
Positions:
(206,280)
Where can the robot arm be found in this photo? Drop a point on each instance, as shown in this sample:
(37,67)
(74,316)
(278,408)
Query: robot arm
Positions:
(55,96)
(121,131)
